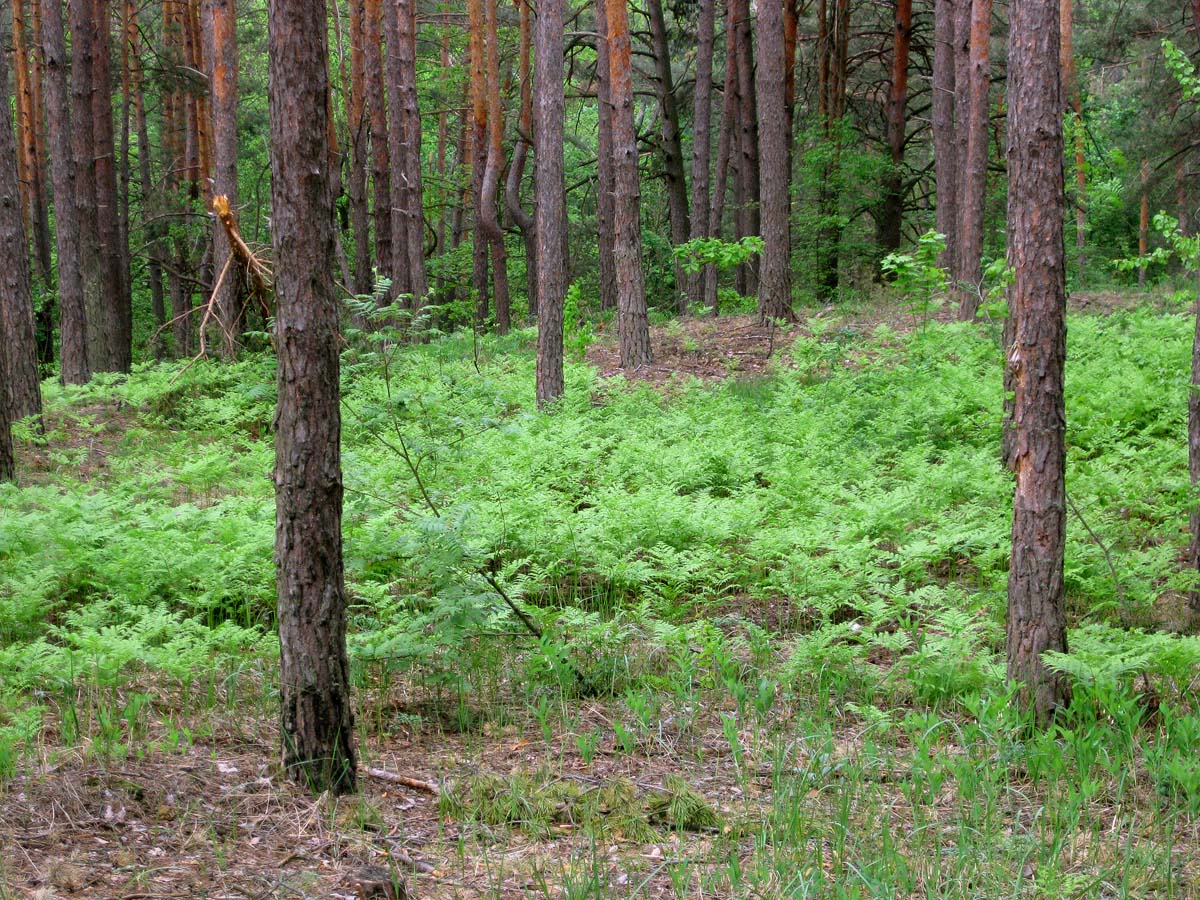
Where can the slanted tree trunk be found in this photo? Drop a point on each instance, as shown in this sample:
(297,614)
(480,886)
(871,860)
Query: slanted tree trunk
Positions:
(945,155)
(314,686)
(220,31)
(775,285)
(21,394)
(516,170)
(72,308)
(550,184)
(358,126)
(672,144)
(973,189)
(1036,604)
(697,282)
(494,165)
(633,325)
(606,188)
(381,177)
(891,216)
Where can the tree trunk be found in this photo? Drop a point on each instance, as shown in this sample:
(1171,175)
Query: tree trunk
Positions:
(488,210)
(398,265)
(725,151)
(479,145)
(71,302)
(672,145)
(945,155)
(81,137)
(317,722)
(891,218)
(21,395)
(697,282)
(550,184)
(220,31)
(748,170)
(775,286)
(633,326)
(833,53)
(381,178)
(151,229)
(973,192)
(1073,100)
(357,124)
(1144,223)
(606,188)
(413,210)
(30,145)
(1036,607)
(516,170)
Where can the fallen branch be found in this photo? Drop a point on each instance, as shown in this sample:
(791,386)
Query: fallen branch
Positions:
(416,784)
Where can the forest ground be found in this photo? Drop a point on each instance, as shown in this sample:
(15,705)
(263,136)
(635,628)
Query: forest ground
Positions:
(821,715)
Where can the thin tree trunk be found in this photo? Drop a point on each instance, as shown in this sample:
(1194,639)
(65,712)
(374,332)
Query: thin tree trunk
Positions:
(1073,100)
(748,168)
(945,155)
(29,134)
(398,150)
(71,302)
(413,211)
(605,173)
(516,170)
(1036,603)
(1144,223)
(489,192)
(633,326)
(550,183)
(479,145)
(775,286)
(672,144)
(891,219)
(356,122)
(81,138)
(973,193)
(725,151)
(697,282)
(21,395)
(317,720)
(151,230)
(381,177)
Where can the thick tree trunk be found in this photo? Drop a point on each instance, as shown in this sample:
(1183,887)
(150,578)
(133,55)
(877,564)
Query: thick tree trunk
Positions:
(633,325)
(493,167)
(606,188)
(71,301)
(697,282)
(945,155)
(381,178)
(356,122)
(973,192)
(220,18)
(317,722)
(775,285)
(550,183)
(21,394)
(672,144)
(82,141)
(891,217)
(1036,605)
(516,170)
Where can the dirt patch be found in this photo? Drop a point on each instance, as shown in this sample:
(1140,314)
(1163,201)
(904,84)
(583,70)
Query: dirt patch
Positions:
(80,439)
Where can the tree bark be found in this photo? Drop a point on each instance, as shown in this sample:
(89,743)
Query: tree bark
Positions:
(413,210)
(633,325)
(606,188)
(71,301)
(550,183)
(82,139)
(29,143)
(748,163)
(21,395)
(973,193)
(725,151)
(358,126)
(697,282)
(493,167)
(775,285)
(317,722)
(516,170)
(891,219)
(945,155)
(398,265)
(479,145)
(672,144)
(1036,605)
(151,229)
(381,179)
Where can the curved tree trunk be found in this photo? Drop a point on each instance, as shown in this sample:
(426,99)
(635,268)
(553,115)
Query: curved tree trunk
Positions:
(314,685)
(1036,604)
(550,184)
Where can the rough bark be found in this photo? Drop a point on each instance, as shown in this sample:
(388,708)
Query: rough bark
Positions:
(633,326)
(775,284)
(833,53)
(29,141)
(21,394)
(317,722)
(479,145)
(725,151)
(945,156)
(81,138)
(398,265)
(671,143)
(697,282)
(973,190)
(550,183)
(358,126)
(413,209)
(516,170)
(71,303)
(381,178)
(891,217)
(605,174)
(493,167)
(748,163)
(1036,606)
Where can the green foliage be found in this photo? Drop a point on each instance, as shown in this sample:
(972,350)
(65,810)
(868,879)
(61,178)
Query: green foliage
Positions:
(918,277)
(725,255)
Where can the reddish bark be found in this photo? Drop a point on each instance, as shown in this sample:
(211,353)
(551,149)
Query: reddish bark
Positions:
(891,219)
(356,122)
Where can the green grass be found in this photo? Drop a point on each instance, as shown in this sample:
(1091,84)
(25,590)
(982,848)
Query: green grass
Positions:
(797,581)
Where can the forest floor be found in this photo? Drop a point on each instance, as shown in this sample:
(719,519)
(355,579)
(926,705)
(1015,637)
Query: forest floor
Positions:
(829,723)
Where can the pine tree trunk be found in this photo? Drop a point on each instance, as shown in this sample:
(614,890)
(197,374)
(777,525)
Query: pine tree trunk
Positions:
(413,210)
(356,122)
(633,326)
(1036,603)
(550,188)
(775,286)
(697,282)
(29,146)
(516,170)
(71,300)
(945,155)
(81,137)
(489,191)
(973,191)
(381,177)
(606,188)
(891,218)
(399,266)
(672,144)
(21,395)
(151,230)
(317,722)
(748,164)
(725,152)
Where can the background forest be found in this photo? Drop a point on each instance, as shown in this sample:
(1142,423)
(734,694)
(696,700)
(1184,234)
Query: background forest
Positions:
(675,512)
